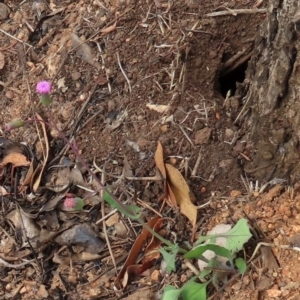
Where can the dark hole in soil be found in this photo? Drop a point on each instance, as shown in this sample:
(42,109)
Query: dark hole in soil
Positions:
(228,82)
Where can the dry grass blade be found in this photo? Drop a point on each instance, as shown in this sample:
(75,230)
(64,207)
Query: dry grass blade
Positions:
(38,180)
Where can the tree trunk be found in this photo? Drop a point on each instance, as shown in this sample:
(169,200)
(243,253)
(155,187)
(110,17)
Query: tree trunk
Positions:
(272,103)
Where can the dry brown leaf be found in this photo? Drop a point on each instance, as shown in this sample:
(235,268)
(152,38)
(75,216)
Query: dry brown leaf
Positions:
(2,60)
(112,220)
(159,160)
(109,29)
(130,266)
(182,194)
(29,175)
(170,197)
(84,51)
(16,159)
(81,235)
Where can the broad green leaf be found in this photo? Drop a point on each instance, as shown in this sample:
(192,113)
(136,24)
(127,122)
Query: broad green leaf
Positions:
(198,251)
(241,265)
(236,237)
(170,258)
(204,238)
(171,293)
(194,291)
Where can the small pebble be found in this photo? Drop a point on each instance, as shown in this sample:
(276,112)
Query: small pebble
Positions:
(4,11)
(76,75)
(9,95)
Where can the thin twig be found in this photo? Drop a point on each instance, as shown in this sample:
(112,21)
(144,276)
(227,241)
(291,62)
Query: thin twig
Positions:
(196,166)
(235,12)
(11,36)
(19,266)
(123,72)
(185,134)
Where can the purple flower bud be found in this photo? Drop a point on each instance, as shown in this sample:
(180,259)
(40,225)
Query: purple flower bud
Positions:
(43,87)
(13,125)
(69,203)
(74,203)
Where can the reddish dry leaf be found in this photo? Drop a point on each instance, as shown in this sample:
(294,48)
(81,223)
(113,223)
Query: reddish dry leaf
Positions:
(151,252)
(16,159)
(182,193)
(129,268)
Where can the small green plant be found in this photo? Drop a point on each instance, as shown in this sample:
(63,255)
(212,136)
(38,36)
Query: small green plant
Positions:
(235,239)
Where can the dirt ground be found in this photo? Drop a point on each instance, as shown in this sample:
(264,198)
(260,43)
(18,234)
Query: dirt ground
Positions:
(149,71)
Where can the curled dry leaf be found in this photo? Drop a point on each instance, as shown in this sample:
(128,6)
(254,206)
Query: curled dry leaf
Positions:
(81,235)
(16,159)
(23,224)
(84,51)
(182,193)
(59,179)
(130,268)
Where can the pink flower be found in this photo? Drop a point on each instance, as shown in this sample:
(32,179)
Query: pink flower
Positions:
(43,87)
(70,203)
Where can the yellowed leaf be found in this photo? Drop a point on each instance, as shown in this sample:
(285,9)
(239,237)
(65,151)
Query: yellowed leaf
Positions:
(182,194)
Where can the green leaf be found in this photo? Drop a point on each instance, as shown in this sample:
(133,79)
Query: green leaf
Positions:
(128,212)
(236,237)
(170,258)
(212,263)
(136,211)
(198,251)
(241,265)
(194,291)
(171,293)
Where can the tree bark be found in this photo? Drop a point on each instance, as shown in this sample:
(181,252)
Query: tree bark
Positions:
(271,111)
